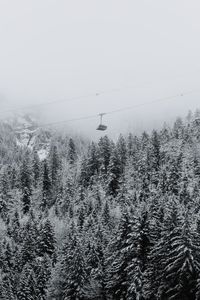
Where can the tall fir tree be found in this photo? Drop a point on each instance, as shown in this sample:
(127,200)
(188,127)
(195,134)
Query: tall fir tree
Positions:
(72,152)
(46,187)
(26,183)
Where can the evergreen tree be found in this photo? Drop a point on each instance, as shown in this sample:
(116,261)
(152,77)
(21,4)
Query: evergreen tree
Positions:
(26,183)
(155,156)
(29,245)
(72,154)
(182,265)
(95,286)
(92,163)
(27,284)
(4,195)
(122,152)
(36,168)
(42,275)
(106,217)
(46,187)
(139,244)
(104,149)
(130,145)
(70,278)
(174,175)
(144,140)
(118,259)
(47,241)
(7,290)
(178,128)
(114,174)
(162,251)
(81,218)
(54,164)
(14,228)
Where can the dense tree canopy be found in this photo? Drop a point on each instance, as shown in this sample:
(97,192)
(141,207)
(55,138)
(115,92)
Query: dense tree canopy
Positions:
(102,220)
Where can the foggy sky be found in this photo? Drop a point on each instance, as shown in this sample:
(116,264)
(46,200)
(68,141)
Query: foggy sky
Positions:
(55,50)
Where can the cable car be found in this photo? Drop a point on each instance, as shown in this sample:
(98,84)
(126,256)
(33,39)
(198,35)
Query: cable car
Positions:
(101,126)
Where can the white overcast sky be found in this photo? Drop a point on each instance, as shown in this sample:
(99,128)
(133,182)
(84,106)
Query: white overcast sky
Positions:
(54,50)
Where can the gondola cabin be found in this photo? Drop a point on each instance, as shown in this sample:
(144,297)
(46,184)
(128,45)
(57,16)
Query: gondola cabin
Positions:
(102,127)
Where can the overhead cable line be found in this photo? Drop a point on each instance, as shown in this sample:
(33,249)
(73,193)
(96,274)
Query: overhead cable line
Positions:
(95,95)
(75,98)
(117,110)
(153,101)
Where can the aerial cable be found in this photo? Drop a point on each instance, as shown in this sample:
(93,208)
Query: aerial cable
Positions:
(95,95)
(152,102)
(117,110)
(71,99)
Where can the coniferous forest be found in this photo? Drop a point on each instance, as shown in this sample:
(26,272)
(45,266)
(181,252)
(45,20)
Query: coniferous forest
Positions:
(105,220)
